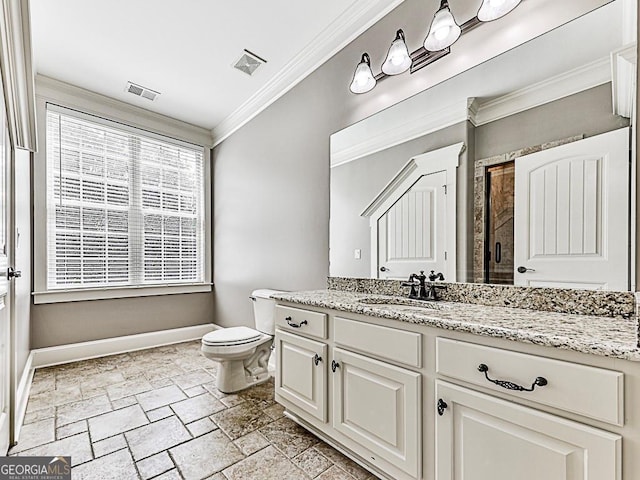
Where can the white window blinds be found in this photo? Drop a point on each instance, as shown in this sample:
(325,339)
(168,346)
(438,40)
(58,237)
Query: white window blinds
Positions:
(124,207)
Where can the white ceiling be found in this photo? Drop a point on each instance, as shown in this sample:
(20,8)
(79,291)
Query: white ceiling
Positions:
(185,49)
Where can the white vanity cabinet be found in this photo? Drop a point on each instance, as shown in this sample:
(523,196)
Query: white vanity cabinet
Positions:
(411,402)
(370,406)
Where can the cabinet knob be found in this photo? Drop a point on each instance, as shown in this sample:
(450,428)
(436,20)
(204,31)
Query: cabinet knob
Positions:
(317,359)
(334,365)
(442,406)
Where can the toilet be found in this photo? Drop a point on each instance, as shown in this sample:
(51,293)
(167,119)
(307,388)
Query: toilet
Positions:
(242,352)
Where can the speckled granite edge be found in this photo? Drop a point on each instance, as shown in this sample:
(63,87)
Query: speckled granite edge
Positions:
(558,300)
(610,337)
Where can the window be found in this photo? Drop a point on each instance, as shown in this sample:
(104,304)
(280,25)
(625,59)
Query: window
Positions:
(125,208)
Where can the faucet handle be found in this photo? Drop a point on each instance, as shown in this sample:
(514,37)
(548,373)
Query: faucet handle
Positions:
(436,276)
(413,285)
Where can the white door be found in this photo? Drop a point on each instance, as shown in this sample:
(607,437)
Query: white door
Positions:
(479,437)
(5,332)
(301,373)
(572,215)
(377,407)
(412,233)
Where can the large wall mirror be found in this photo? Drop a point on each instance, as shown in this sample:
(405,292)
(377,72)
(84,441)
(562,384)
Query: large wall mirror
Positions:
(516,171)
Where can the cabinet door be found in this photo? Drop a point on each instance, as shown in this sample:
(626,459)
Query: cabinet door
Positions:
(301,374)
(479,437)
(378,406)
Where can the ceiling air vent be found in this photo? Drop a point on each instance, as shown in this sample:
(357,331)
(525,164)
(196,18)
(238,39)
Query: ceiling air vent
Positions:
(141,91)
(249,62)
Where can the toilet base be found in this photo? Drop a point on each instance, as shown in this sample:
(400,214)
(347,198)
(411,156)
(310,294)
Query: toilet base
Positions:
(236,375)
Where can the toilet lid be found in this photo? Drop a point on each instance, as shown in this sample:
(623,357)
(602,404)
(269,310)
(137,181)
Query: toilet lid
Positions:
(231,336)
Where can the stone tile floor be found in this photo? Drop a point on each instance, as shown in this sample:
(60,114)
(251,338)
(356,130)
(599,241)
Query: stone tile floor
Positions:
(157,414)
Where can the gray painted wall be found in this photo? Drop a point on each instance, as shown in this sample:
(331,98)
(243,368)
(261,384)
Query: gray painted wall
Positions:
(271,177)
(71,322)
(588,113)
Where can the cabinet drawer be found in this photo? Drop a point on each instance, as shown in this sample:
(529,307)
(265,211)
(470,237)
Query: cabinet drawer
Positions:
(593,392)
(382,342)
(301,321)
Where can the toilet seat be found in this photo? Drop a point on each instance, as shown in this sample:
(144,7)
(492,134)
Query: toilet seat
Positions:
(232,336)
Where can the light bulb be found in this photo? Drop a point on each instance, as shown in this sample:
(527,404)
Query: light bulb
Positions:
(363,79)
(444,30)
(398,59)
(494,9)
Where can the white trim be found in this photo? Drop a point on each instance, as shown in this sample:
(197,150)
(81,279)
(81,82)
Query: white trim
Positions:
(393,127)
(551,89)
(22,394)
(623,74)
(76,98)
(356,19)
(17,73)
(443,159)
(74,352)
(82,294)
(629,21)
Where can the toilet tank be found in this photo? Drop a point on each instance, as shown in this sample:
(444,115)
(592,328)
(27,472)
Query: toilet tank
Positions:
(264,310)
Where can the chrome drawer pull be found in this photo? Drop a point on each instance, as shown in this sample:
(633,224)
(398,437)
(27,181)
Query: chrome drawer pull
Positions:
(317,359)
(539,381)
(295,325)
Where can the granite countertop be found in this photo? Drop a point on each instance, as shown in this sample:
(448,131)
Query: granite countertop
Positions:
(597,335)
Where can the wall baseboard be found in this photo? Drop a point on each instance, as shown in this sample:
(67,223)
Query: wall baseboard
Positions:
(22,395)
(45,357)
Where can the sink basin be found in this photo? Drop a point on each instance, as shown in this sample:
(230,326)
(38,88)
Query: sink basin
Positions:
(399,303)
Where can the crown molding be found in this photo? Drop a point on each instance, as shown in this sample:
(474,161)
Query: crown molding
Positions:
(17,73)
(355,20)
(553,88)
(77,98)
(392,127)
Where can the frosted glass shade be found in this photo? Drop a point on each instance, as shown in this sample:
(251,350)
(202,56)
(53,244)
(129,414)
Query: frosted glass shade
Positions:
(363,79)
(444,30)
(398,59)
(494,9)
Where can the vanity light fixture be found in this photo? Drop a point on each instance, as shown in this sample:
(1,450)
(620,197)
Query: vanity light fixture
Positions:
(398,60)
(494,9)
(444,31)
(363,79)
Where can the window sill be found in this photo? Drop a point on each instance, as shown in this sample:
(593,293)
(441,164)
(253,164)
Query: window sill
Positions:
(104,293)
